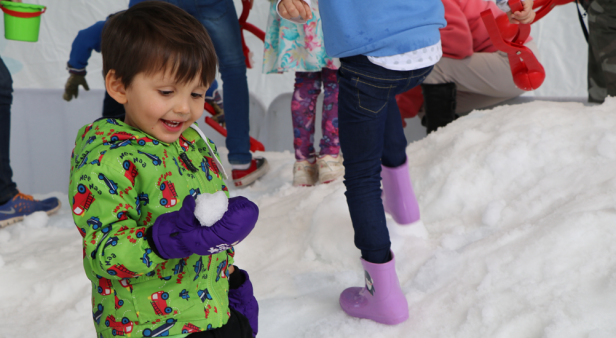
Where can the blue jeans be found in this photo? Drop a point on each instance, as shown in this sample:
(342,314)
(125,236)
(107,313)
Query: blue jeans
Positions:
(371,134)
(8,188)
(221,21)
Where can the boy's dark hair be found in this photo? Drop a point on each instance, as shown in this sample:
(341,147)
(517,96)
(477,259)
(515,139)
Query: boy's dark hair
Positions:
(154,35)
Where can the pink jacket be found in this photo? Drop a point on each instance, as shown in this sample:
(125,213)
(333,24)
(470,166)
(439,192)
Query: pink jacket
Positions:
(465,33)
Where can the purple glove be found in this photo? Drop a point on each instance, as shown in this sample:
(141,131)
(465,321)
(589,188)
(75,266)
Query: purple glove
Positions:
(179,234)
(242,299)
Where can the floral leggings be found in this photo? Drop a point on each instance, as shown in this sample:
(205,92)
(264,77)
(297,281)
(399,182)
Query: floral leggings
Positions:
(307,89)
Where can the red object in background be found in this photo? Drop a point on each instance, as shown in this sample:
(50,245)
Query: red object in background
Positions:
(246,6)
(254,144)
(409,103)
(528,73)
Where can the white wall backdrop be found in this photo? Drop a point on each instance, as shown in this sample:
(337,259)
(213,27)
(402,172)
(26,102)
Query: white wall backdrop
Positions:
(44,126)
(42,64)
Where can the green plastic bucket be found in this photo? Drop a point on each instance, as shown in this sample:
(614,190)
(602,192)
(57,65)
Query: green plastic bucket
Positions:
(21,21)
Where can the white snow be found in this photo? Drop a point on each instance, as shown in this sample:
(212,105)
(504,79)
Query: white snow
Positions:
(211,207)
(517,239)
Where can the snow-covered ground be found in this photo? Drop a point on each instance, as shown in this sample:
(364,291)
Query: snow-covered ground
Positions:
(517,240)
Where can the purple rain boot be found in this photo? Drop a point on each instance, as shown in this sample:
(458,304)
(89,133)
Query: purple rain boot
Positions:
(398,197)
(381,299)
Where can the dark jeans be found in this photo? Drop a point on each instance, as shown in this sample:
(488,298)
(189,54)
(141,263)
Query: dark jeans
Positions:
(371,134)
(8,188)
(237,327)
(221,21)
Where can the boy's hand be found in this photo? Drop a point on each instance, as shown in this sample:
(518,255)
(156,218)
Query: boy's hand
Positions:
(524,17)
(290,9)
(179,234)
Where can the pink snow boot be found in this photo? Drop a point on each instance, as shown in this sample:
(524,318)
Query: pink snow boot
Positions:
(398,197)
(381,299)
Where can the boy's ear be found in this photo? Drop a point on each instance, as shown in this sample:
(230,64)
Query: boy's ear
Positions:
(115,87)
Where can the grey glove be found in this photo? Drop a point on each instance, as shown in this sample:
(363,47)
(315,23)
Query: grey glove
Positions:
(71,88)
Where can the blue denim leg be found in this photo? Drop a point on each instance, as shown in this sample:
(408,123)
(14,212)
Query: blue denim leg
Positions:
(8,188)
(220,19)
(370,134)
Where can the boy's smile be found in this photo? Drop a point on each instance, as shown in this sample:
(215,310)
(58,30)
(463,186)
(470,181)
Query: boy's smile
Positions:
(158,105)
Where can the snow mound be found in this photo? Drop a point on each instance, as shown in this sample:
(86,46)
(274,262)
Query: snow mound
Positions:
(210,208)
(516,240)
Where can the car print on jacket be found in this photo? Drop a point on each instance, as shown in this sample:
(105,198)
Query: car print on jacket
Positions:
(161,331)
(159,303)
(204,295)
(155,159)
(118,302)
(82,200)
(146,257)
(121,328)
(104,286)
(113,187)
(143,197)
(100,158)
(169,195)
(142,141)
(114,145)
(96,315)
(121,271)
(131,171)
(94,222)
(190,328)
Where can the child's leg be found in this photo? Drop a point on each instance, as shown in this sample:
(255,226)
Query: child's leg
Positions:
(330,143)
(307,89)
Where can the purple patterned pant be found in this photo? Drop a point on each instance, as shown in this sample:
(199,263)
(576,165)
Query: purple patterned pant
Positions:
(307,89)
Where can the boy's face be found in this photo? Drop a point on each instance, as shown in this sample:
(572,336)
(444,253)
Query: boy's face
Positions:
(161,107)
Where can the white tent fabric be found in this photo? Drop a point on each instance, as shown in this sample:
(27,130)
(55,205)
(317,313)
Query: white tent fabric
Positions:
(44,126)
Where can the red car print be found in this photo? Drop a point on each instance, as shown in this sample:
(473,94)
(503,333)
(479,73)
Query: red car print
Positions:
(212,165)
(159,303)
(104,286)
(82,200)
(139,233)
(120,328)
(122,215)
(142,141)
(184,143)
(88,128)
(190,328)
(121,271)
(169,195)
(131,171)
(126,284)
(121,136)
(118,302)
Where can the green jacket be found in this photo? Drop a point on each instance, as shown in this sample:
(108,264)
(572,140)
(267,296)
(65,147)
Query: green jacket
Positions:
(121,181)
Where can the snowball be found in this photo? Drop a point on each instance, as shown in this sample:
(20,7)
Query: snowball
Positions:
(211,207)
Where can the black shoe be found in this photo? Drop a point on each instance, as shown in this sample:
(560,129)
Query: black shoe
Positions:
(439,105)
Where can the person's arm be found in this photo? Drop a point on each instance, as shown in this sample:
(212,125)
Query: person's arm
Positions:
(456,37)
(298,11)
(520,17)
(86,40)
(105,213)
